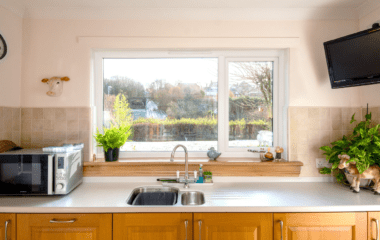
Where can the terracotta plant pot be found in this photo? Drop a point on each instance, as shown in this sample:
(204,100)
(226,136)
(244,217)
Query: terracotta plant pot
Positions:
(112,154)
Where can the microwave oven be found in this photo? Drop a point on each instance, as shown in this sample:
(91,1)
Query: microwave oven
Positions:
(35,172)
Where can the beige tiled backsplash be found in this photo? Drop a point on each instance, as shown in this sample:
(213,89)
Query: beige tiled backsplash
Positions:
(309,129)
(313,127)
(41,127)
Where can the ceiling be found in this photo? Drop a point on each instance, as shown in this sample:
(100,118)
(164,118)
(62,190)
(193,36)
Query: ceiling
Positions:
(192,3)
(196,9)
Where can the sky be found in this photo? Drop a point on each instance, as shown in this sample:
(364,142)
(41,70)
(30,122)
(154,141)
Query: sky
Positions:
(201,71)
(187,70)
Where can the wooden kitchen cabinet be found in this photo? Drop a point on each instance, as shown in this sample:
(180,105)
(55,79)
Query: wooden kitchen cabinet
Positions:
(8,224)
(326,226)
(64,226)
(373,220)
(153,226)
(232,226)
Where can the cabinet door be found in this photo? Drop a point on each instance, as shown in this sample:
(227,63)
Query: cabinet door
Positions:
(316,226)
(373,221)
(153,226)
(64,226)
(8,224)
(233,226)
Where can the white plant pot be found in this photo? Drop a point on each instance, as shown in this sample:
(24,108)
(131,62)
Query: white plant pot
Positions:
(364,182)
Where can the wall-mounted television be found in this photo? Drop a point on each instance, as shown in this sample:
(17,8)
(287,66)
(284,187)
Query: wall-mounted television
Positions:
(354,60)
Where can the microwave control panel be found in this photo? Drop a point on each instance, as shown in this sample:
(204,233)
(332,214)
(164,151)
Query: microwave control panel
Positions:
(60,174)
(68,171)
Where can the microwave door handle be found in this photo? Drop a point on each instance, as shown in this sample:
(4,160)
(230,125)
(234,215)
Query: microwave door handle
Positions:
(50,175)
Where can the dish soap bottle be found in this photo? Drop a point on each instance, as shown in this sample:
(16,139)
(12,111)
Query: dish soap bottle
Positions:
(200,179)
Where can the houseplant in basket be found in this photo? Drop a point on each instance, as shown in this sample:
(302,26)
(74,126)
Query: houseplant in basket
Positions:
(119,131)
(362,149)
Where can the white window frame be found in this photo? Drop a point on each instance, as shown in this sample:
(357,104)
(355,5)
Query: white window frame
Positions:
(280,94)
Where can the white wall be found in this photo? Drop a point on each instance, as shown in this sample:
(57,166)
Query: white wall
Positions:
(63,48)
(10,66)
(370,94)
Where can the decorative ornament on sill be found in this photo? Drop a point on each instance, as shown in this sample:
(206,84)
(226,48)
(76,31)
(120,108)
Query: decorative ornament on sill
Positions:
(279,151)
(212,154)
(55,85)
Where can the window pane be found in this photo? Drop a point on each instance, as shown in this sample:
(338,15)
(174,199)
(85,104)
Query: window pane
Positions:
(250,104)
(173,101)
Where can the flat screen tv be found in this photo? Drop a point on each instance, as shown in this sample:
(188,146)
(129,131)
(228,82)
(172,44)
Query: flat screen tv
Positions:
(354,60)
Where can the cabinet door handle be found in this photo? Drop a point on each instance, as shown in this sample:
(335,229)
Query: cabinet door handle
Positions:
(6,229)
(377,228)
(186,222)
(62,221)
(200,229)
(282,228)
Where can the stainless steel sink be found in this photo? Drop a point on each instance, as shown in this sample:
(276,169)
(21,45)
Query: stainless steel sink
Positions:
(154,196)
(192,198)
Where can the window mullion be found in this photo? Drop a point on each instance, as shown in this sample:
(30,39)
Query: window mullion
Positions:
(222,103)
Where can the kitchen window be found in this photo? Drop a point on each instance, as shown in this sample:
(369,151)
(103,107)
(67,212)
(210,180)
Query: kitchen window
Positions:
(230,100)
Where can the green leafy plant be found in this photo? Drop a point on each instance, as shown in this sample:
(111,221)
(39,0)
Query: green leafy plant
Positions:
(121,126)
(363,146)
(122,115)
(207,173)
(113,137)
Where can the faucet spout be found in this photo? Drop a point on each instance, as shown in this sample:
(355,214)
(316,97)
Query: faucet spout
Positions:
(186,163)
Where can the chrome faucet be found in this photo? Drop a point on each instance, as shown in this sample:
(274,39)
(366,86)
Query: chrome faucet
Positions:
(186,164)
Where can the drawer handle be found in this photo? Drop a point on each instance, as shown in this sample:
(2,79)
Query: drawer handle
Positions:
(60,221)
(282,228)
(6,229)
(377,228)
(186,222)
(200,229)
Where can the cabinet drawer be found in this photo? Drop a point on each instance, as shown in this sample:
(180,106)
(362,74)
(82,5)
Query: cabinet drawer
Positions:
(315,226)
(64,226)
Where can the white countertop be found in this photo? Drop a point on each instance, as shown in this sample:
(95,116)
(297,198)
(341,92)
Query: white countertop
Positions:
(110,197)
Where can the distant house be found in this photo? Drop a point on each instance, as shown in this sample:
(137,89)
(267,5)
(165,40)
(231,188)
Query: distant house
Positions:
(145,108)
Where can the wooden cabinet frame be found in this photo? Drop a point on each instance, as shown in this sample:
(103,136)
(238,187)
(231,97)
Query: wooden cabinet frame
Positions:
(224,226)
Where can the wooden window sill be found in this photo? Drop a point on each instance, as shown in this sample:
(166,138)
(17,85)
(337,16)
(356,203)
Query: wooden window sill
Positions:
(222,167)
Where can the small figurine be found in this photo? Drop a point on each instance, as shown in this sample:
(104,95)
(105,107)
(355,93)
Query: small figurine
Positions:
(278,151)
(213,154)
(268,155)
(373,173)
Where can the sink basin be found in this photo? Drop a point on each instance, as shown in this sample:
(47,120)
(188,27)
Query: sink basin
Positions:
(153,196)
(192,198)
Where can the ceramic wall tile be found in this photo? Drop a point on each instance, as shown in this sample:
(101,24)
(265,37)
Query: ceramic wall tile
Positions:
(336,113)
(73,125)
(313,113)
(324,113)
(48,126)
(26,113)
(49,114)
(37,113)
(72,114)
(84,113)
(10,124)
(26,137)
(37,125)
(60,114)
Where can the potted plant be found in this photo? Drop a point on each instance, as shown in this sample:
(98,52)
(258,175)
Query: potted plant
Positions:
(208,176)
(119,131)
(362,146)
